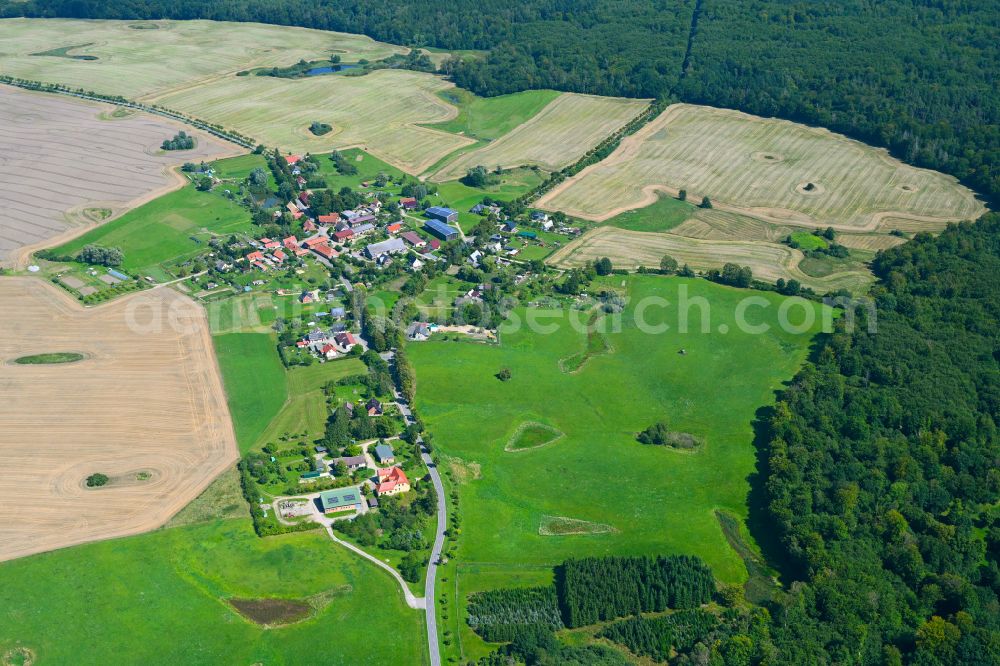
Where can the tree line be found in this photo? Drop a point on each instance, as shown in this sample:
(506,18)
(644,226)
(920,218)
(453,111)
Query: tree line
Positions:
(879,468)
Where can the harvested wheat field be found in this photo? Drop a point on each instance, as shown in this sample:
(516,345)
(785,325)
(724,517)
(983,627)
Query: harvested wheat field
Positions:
(380,112)
(60,163)
(145,407)
(768,261)
(559,135)
(779,171)
(138,58)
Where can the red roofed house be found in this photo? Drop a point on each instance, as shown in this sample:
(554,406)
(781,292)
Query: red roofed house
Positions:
(344,234)
(435,244)
(332,218)
(328,351)
(304,197)
(408,203)
(413,239)
(314,241)
(255,256)
(309,225)
(392,481)
(325,251)
(279,255)
(292,159)
(345,340)
(394,227)
(270,244)
(290,243)
(300,251)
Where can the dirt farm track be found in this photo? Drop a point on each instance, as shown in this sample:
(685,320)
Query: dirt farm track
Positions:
(146,407)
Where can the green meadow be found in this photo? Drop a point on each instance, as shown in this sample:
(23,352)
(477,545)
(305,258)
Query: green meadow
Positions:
(805,241)
(162,598)
(462,197)
(170,228)
(663,215)
(255,382)
(658,500)
(305,411)
(488,118)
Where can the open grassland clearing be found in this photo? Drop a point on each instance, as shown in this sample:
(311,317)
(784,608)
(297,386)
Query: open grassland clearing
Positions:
(777,170)
(63,169)
(522,511)
(145,407)
(383,112)
(489,118)
(163,55)
(170,229)
(167,597)
(712,391)
(768,261)
(558,135)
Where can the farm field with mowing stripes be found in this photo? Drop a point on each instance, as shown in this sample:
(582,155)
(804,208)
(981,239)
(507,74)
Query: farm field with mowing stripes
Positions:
(768,261)
(777,170)
(165,597)
(712,391)
(145,407)
(162,230)
(383,112)
(140,58)
(61,162)
(254,379)
(556,136)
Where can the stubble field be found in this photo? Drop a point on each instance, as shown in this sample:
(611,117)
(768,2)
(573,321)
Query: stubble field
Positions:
(60,158)
(138,58)
(146,407)
(769,261)
(558,135)
(381,112)
(779,171)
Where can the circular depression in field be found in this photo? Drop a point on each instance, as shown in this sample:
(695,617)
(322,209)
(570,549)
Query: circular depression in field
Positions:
(767,158)
(809,188)
(909,189)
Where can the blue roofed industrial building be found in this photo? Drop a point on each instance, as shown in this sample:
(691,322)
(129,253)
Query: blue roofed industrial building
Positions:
(442,213)
(441,230)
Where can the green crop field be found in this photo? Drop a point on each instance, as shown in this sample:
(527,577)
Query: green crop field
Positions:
(558,135)
(384,112)
(777,170)
(254,380)
(138,58)
(489,118)
(164,230)
(162,598)
(658,499)
(808,241)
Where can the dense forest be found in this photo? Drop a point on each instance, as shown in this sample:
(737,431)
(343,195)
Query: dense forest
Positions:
(916,76)
(881,468)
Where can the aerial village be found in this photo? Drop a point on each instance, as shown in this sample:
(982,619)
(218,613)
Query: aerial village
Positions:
(323,257)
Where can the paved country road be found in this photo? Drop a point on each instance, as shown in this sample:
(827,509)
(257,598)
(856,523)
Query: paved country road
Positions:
(430,600)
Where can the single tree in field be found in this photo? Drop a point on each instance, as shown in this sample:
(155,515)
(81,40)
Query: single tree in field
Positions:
(504,374)
(96,480)
(682,195)
(668,264)
(706,202)
(603,266)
